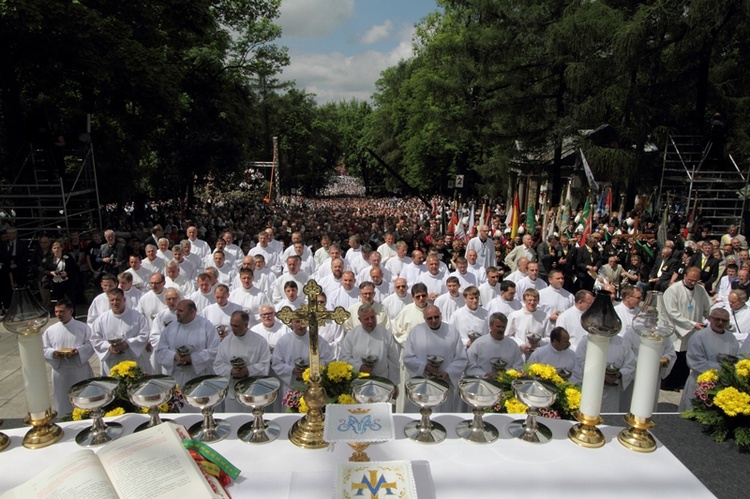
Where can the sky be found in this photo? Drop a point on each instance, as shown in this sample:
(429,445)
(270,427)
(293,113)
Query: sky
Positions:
(338,48)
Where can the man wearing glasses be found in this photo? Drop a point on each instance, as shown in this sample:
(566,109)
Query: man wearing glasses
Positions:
(396,301)
(705,350)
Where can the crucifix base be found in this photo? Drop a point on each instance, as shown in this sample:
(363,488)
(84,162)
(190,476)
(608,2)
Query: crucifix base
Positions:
(308,431)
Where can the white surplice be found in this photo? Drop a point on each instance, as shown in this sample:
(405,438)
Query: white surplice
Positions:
(69,370)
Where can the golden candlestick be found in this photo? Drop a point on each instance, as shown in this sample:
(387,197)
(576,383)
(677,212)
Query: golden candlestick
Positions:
(308,431)
(637,437)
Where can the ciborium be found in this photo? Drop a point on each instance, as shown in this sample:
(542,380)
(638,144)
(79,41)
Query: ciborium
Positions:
(206,392)
(474,336)
(426,393)
(536,395)
(498,364)
(91,395)
(479,393)
(257,392)
(369,360)
(151,392)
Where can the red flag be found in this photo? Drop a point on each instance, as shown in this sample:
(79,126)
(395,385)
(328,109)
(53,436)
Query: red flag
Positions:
(608,202)
(515,218)
(588,228)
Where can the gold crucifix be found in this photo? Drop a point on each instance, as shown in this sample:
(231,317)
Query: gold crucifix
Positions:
(308,431)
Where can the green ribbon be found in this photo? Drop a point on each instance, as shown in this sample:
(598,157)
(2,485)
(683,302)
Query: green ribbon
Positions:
(212,456)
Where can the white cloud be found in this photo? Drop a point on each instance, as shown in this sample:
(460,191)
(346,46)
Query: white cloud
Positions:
(313,18)
(334,76)
(377,33)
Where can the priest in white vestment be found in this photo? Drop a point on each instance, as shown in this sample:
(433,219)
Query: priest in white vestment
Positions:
(451,301)
(248,296)
(161,321)
(397,300)
(529,326)
(489,289)
(412,314)
(367,297)
(506,302)
(204,296)
(532,279)
(554,299)
(704,352)
(435,337)
(100,303)
(191,330)
(571,318)
(293,347)
(471,318)
(243,344)
(495,345)
(67,349)
(370,339)
(220,312)
(557,353)
(124,325)
(739,315)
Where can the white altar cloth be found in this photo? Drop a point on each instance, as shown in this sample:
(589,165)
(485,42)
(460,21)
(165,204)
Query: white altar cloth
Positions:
(458,468)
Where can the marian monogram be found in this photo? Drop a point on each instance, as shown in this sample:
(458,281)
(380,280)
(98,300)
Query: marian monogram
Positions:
(359,426)
(373,484)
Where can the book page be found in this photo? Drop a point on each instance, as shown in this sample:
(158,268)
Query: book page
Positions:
(78,476)
(154,464)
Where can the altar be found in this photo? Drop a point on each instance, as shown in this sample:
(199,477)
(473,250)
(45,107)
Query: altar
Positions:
(454,468)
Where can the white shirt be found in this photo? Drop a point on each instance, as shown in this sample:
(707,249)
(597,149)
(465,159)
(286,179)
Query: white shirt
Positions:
(571,321)
(484,349)
(67,371)
(359,343)
(129,325)
(199,334)
(547,354)
(449,304)
(291,347)
(468,321)
(394,303)
(252,348)
(217,315)
(521,322)
(199,248)
(553,300)
(250,299)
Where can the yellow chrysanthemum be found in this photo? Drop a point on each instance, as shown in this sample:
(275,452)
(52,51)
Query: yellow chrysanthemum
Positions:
(79,414)
(164,407)
(574,398)
(733,402)
(303,406)
(709,376)
(346,399)
(124,369)
(364,375)
(513,406)
(306,376)
(339,370)
(117,411)
(513,373)
(742,368)
(544,371)
(144,410)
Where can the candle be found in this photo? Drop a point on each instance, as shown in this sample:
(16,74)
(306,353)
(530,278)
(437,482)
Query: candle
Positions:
(597,351)
(34,372)
(646,377)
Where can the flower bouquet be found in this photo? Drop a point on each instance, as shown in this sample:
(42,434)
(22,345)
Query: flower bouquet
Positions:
(128,372)
(568,397)
(722,402)
(335,378)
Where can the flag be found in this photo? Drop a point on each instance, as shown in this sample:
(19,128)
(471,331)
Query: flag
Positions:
(608,201)
(530,220)
(515,220)
(470,232)
(509,216)
(567,207)
(587,217)
(589,174)
(482,220)
(453,223)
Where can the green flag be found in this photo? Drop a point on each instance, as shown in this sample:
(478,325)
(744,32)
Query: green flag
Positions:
(530,220)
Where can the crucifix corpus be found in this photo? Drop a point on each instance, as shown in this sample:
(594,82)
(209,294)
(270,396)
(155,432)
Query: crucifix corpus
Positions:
(308,431)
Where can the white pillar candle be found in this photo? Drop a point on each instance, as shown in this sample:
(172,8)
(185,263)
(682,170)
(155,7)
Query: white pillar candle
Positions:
(592,387)
(34,372)
(646,377)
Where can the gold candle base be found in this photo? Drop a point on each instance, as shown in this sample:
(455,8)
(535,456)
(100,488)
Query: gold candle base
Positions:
(308,431)
(637,437)
(43,432)
(585,433)
(359,455)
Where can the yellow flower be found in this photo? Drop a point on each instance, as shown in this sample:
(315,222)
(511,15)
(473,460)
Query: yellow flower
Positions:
(79,414)
(513,373)
(709,376)
(339,370)
(513,406)
(124,368)
(144,410)
(574,398)
(164,407)
(364,375)
(306,376)
(742,368)
(544,371)
(346,399)
(733,402)
(117,411)
(303,406)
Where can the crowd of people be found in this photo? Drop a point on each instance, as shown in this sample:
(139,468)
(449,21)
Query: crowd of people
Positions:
(188,292)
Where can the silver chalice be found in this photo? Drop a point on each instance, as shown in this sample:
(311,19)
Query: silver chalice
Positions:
(91,395)
(536,395)
(257,392)
(151,392)
(206,392)
(479,393)
(426,393)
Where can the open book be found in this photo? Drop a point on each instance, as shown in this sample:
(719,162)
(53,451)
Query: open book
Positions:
(152,463)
